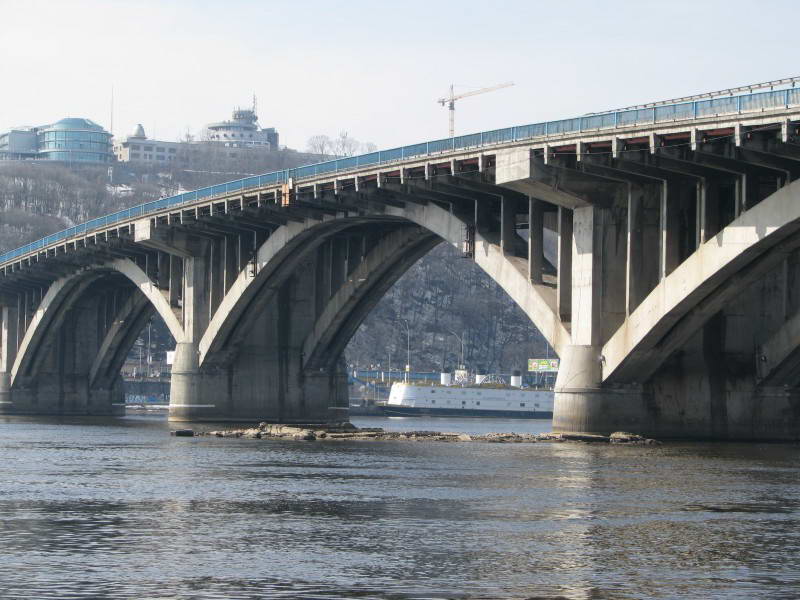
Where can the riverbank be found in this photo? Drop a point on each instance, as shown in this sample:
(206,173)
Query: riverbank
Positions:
(349,432)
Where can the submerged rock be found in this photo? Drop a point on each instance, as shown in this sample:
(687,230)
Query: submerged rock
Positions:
(183,433)
(623,437)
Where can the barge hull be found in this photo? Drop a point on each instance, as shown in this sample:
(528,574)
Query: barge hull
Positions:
(420,411)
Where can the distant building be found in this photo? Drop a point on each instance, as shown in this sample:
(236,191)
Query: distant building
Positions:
(71,140)
(18,144)
(77,140)
(138,148)
(242,131)
(219,140)
(74,140)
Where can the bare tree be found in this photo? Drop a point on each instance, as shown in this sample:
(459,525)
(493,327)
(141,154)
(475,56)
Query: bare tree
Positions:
(344,145)
(319,144)
(340,146)
(368,147)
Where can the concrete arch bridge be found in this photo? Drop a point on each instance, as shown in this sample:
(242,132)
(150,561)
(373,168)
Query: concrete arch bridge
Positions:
(673,300)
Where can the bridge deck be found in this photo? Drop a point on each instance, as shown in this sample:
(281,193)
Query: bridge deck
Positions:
(709,115)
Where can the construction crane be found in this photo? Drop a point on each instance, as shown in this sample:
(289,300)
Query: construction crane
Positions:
(450,101)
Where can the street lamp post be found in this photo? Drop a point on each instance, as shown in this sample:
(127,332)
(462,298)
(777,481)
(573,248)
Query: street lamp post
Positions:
(460,338)
(408,349)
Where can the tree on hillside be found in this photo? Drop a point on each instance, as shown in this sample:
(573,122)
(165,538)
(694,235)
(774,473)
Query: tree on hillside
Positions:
(344,145)
(319,144)
(341,146)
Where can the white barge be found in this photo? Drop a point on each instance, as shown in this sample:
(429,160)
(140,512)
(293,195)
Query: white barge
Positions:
(407,399)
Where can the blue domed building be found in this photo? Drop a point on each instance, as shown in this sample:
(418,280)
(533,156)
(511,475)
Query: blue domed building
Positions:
(74,140)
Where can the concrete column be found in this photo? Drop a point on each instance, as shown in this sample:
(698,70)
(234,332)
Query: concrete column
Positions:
(8,337)
(586,265)
(338,263)
(216,275)
(582,404)
(702,211)
(670,234)
(634,259)
(326,289)
(578,393)
(483,217)
(643,251)
(321,286)
(354,246)
(8,353)
(175,280)
(162,280)
(187,397)
(507,225)
(263,379)
(188,391)
(535,240)
(564,272)
(741,196)
(231,251)
(195,297)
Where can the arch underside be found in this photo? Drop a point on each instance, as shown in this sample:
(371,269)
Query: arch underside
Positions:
(747,253)
(394,241)
(71,353)
(377,249)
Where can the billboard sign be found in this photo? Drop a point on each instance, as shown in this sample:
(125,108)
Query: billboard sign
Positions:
(543,365)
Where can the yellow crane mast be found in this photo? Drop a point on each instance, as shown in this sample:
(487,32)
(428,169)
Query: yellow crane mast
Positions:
(450,100)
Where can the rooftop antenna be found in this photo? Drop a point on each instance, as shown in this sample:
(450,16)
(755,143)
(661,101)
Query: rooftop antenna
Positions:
(112,110)
(255,103)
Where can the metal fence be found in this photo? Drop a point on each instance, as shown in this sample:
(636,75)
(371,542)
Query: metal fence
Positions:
(756,101)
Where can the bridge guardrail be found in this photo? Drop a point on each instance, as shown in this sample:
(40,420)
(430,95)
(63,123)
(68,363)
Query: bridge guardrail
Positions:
(755,101)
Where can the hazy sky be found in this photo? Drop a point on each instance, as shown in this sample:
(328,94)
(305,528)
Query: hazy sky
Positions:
(375,69)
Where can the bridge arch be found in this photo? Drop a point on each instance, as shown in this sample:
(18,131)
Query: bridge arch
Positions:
(392,255)
(355,299)
(743,252)
(113,301)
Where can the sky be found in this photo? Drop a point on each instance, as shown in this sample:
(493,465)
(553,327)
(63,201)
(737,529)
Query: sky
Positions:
(374,69)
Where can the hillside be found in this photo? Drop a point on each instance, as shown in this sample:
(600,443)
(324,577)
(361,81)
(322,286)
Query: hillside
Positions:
(445,296)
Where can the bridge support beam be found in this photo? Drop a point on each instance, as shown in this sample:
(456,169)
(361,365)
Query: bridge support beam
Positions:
(599,301)
(8,348)
(261,376)
(54,377)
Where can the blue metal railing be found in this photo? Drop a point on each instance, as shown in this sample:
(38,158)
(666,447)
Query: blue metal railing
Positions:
(755,101)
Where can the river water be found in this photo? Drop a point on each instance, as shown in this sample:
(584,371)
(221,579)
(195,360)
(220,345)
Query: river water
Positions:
(119,509)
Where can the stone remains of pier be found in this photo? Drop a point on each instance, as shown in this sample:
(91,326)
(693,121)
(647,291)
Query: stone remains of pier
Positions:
(348,432)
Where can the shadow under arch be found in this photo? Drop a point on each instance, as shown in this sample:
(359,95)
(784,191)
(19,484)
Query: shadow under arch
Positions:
(288,246)
(351,304)
(124,297)
(744,251)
